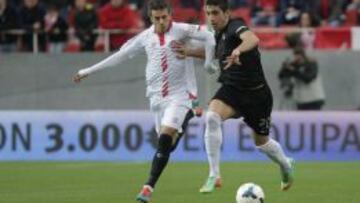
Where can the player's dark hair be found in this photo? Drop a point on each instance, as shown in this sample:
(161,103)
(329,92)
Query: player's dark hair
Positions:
(158,5)
(222,4)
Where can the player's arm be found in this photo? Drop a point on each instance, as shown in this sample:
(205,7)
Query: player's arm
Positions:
(196,52)
(209,41)
(183,50)
(308,74)
(128,50)
(249,42)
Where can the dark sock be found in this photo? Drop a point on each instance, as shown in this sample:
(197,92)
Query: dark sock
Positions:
(160,159)
(189,116)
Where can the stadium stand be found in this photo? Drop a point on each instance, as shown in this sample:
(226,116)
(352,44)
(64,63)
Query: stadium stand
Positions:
(334,28)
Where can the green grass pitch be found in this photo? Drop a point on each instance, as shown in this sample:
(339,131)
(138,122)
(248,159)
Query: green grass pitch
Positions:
(107,182)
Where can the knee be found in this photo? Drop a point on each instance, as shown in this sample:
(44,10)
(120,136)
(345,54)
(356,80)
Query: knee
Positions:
(213,120)
(168,136)
(168,131)
(165,144)
(260,139)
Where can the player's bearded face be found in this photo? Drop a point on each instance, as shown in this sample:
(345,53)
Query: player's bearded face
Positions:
(217,17)
(161,20)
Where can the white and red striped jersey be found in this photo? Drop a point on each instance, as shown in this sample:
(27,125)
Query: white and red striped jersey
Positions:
(165,73)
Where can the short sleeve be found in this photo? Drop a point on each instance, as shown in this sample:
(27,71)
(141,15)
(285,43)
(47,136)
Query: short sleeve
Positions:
(237,27)
(188,29)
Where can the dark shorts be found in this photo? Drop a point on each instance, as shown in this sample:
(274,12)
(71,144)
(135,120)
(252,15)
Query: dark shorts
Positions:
(315,105)
(254,105)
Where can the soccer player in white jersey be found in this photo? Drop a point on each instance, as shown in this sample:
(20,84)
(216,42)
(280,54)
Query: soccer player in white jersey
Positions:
(167,86)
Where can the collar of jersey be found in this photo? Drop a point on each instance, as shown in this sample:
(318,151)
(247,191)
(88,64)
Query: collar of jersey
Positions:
(171,23)
(225,28)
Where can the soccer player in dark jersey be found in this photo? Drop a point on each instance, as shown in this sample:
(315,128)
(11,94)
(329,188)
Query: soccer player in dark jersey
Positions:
(244,92)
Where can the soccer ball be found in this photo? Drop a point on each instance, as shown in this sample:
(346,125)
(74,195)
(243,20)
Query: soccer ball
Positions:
(250,193)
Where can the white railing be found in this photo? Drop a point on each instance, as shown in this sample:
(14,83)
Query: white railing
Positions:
(105,33)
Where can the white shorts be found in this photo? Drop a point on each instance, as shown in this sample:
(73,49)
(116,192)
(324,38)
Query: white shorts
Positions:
(170,111)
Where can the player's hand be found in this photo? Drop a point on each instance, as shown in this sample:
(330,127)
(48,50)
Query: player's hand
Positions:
(289,67)
(210,67)
(234,58)
(180,49)
(196,108)
(77,78)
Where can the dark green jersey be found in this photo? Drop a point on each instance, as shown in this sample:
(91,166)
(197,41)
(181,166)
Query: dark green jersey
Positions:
(249,74)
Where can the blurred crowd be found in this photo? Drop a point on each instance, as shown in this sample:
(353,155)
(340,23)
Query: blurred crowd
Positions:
(78,25)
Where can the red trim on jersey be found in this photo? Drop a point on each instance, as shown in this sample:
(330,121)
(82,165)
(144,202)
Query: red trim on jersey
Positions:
(161,38)
(162,35)
(164,63)
(164,66)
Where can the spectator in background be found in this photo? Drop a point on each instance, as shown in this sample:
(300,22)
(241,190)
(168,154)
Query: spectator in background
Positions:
(93,2)
(336,13)
(290,11)
(62,5)
(102,3)
(56,29)
(9,20)
(195,4)
(358,16)
(234,4)
(58,3)
(85,20)
(264,12)
(355,6)
(308,20)
(145,16)
(119,16)
(331,12)
(302,74)
(137,4)
(14,3)
(307,37)
(32,15)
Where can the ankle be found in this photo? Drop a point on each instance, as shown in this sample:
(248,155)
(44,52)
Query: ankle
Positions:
(148,187)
